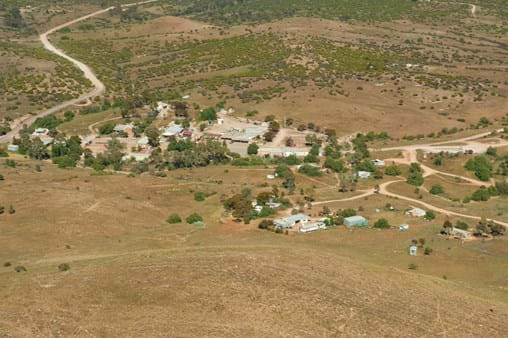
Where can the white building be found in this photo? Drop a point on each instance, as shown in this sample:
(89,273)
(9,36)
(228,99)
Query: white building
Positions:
(291,221)
(416,212)
(363,174)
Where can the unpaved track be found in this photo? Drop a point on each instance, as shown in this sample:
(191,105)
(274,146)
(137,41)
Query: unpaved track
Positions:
(98,86)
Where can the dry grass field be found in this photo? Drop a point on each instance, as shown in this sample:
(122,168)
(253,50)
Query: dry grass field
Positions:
(146,276)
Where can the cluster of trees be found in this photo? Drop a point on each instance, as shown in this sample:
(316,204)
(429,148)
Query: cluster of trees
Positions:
(112,157)
(191,219)
(66,152)
(285,173)
(186,154)
(481,166)
(241,205)
(13,18)
(415,175)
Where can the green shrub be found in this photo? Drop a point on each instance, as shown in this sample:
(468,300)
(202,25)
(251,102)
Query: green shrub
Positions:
(199,196)
(310,170)
(430,215)
(194,218)
(382,223)
(436,189)
(64,267)
(174,219)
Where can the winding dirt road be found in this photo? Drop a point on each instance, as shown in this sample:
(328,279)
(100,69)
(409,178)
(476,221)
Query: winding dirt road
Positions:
(98,86)
(410,156)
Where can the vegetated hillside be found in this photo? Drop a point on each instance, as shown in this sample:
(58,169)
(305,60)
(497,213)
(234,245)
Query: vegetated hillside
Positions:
(234,12)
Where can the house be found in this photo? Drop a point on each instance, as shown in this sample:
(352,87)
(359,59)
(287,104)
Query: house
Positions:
(283,151)
(143,141)
(172,130)
(403,227)
(416,212)
(460,234)
(162,109)
(312,226)
(138,157)
(378,163)
(245,135)
(413,250)
(273,205)
(123,128)
(363,174)
(355,221)
(291,221)
(40,131)
(12,147)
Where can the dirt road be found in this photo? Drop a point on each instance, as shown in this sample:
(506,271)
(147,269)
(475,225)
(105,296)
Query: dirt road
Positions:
(98,86)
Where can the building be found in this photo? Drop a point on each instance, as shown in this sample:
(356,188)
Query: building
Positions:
(460,234)
(13,147)
(355,221)
(245,135)
(363,174)
(312,226)
(283,151)
(139,157)
(416,212)
(40,131)
(378,163)
(291,221)
(172,130)
(187,133)
(413,250)
(403,227)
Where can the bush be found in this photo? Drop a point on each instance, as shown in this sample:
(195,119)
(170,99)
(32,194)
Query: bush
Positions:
(174,219)
(436,189)
(265,224)
(348,213)
(415,176)
(64,267)
(461,225)
(430,215)
(194,218)
(199,196)
(20,268)
(252,149)
(2,177)
(382,223)
(309,170)
(427,251)
(106,129)
(412,266)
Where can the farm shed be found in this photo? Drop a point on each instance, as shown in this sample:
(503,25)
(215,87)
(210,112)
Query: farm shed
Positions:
(355,221)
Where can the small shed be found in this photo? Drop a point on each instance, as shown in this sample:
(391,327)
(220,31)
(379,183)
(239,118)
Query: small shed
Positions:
(363,174)
(13,147)
(355,221)
(403,227)
(290,221)
(413,250)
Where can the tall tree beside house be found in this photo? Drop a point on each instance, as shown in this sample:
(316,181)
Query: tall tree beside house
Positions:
(38,150)
(153,135)
(252,149)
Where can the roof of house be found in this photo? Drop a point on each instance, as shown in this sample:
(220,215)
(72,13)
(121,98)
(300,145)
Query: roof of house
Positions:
(122,127)
(290,220)
(172,130)
(245,134)
(417,211)
(354,219)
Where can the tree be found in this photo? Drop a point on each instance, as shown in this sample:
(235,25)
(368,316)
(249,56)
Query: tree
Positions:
(392,170)
(336,165)
(38,150)
(309,170)
(106,129)
(174,219)
(481,166)
(194,218)
(274,127)
(415,176)
(269,136)
(382,223)
(436,189)
(208,114)
(13,18)
(153,135)
(430,215)
(252,149)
